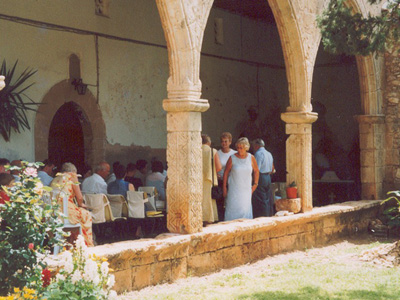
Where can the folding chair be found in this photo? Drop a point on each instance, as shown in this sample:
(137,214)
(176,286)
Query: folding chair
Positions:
(66,224)
(152,191)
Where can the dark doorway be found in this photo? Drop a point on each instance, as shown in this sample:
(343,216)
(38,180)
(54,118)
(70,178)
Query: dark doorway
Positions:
(66,139)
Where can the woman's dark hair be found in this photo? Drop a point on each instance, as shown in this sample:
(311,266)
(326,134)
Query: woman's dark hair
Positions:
(131,167)
(120,171)
(157,166)
(5,179)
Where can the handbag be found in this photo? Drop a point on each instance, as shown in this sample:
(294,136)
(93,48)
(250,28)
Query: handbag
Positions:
(216,191)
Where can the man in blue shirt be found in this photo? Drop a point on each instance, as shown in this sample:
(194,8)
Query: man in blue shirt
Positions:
(263,204)
(45,172)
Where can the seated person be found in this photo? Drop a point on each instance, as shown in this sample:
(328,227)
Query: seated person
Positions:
(157,179)
(67,182)
(96,183)
(45,172)
(6,180)
(120,186)
(3,163)
(112,176)
(130,176)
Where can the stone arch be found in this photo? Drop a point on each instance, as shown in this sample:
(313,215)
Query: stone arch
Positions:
(294,54)
(371,98)
(92,124)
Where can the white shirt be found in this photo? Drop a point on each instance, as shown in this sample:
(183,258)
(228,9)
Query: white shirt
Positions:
(157,179)
(223,157)
(94,184)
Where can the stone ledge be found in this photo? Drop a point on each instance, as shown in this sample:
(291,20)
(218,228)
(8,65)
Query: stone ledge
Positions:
(168,257)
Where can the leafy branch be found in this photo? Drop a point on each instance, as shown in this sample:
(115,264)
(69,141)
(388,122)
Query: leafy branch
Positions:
(14,103)
(352,34)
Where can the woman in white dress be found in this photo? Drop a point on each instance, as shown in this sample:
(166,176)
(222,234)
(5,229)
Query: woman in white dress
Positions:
(241,174)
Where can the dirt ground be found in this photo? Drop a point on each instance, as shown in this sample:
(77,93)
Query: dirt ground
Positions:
(385,255)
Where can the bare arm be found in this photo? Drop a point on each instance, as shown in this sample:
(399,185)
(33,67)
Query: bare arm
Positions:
(78,195)
(256,173)
(131,187)
(228,168)
(217,162)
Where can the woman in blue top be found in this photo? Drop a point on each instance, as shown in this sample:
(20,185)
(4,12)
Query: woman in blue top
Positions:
(120,186)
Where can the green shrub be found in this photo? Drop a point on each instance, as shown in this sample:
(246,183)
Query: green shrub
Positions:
(29,228)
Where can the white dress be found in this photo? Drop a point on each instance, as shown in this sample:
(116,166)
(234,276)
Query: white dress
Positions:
(238,200)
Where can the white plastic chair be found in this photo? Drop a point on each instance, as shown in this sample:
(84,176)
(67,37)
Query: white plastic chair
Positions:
(66,223)
(152,192)
(136,201)
(119,206)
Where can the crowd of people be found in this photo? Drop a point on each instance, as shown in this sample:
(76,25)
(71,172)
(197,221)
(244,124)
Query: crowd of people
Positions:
(99,181)
(244,178)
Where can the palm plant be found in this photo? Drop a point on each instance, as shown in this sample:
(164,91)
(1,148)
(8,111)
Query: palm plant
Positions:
(14,103)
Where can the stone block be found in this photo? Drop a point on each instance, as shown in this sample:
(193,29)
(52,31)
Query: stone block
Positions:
(291,205)
(329,222)
(244,238)
(279,231)
(255,251)
(367,174)
(123,281)
(200,264)
(141,277)
(273,246)
(287,243)
(178,268)
(173,252)
(161,272)
(261,234)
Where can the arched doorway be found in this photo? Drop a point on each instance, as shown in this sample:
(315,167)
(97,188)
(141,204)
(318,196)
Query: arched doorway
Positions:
(66,137)
(88,112)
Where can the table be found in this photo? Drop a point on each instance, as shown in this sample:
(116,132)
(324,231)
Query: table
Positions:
(333,191)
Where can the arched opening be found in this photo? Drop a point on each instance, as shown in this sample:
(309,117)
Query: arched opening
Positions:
(336,98)
(85,107)
(243,76)
(66,136)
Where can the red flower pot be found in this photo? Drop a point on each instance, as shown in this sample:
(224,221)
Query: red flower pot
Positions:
(291,192)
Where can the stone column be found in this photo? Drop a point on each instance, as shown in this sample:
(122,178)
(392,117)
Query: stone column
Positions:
(372,155)
(298,154)
(184,156)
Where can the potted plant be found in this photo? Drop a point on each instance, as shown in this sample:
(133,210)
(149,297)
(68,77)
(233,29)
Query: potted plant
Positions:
(291,191)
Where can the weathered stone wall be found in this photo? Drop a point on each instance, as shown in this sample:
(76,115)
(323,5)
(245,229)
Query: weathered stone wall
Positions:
(138,264)
(392,124)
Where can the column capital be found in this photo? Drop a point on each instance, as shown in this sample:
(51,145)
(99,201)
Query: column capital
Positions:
(299,117)
(181,105)
(371,119)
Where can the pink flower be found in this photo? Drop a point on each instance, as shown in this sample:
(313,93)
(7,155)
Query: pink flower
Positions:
(30,246)
(30,172)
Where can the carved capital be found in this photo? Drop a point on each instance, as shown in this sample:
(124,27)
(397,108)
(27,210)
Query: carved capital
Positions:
(180,105)
(371,119)
(299,117)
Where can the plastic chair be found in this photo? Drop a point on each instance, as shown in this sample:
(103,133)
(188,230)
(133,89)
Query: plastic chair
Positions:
(152,191)
(119,205)
(66,223)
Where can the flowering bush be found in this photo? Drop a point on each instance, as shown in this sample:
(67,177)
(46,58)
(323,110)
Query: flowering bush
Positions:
(82,276)
(29,228)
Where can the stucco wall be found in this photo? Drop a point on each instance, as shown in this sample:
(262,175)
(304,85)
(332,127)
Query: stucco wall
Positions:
(133,67)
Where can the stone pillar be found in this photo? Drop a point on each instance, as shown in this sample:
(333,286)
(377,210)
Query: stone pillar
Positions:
(298,154)
(372,155)
(184,156)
